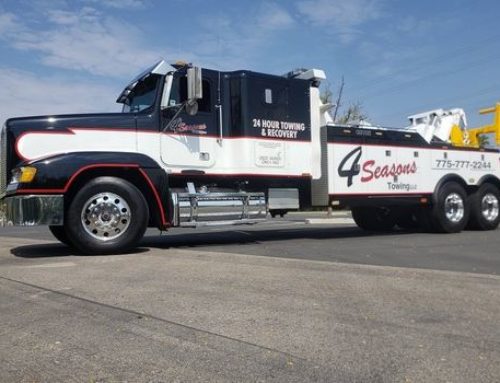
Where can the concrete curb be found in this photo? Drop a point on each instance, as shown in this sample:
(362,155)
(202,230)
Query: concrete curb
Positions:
(329,221)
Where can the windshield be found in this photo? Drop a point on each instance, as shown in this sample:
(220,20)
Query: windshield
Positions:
(142,95)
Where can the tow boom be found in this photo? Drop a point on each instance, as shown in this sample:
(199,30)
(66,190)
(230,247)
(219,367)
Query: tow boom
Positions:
(451,126)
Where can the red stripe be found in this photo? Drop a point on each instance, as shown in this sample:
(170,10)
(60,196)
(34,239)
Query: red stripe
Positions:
(157,197)
(240,175)
(237,138)
(47,132)
(381,194)
(93,166)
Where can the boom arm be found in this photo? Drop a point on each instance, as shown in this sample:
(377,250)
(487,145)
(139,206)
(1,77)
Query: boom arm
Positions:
(494,128)
(451,126)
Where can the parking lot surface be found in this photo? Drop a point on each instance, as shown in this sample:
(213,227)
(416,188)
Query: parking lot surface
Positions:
(284,301)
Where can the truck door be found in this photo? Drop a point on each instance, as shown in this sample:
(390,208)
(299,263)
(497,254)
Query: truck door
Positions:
(190,141)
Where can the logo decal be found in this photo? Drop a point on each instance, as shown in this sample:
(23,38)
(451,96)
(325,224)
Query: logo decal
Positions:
(354,170)
(350,167)
(179,126)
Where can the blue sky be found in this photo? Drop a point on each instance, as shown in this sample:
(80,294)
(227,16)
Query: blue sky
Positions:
(397,57)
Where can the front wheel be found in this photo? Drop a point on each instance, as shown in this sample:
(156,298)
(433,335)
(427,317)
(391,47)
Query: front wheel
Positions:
(108,215)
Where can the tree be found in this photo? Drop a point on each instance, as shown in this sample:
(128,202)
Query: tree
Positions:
(326,95)
(354,112)
(483,140)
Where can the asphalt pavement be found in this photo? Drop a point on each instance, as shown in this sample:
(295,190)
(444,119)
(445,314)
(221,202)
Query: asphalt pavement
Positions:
(284,301)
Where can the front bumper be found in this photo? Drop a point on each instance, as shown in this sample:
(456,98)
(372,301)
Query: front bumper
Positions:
(32,210)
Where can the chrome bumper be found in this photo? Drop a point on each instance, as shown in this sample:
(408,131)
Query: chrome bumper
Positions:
(31,210)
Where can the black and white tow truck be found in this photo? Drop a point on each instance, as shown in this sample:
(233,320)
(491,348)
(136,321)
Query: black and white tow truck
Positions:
(196,147)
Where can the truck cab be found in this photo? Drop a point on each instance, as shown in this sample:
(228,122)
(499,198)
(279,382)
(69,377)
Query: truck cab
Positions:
(199,146)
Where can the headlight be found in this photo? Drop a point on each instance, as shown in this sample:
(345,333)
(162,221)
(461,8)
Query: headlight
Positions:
(24,174)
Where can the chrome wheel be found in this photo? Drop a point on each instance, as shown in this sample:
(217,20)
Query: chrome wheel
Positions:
(106,216)
(489,207)
(454,207)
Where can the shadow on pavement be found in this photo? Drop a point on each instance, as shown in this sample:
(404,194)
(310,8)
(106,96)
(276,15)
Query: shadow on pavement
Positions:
(204,239)
(242,236)
(56,250)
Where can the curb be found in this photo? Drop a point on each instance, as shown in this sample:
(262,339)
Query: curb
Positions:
(329,221)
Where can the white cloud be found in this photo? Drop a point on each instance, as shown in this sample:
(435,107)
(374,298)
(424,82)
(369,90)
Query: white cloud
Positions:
(84,40)
(60,17)
(228,42)
(26,94)
(340,12)
(343,17)
(120,4)
(271,16)
(8,23)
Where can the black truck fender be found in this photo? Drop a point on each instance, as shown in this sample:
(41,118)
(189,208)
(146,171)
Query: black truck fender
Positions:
(452,177)
(65,173)
(491,179)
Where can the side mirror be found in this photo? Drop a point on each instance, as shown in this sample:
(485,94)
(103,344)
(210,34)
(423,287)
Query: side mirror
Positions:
(194,84)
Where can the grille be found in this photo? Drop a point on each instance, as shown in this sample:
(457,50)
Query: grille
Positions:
(3,160)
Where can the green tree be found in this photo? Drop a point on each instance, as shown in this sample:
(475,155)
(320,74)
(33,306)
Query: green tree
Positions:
(483,140)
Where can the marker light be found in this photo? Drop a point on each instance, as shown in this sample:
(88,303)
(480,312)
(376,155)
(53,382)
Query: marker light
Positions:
(24,174)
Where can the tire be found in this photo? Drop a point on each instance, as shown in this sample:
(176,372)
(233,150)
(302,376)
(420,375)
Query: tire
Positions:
(59,232)
(450,212)
(374,218)
(484,208)
(108,215)
(406,219)
(425,220)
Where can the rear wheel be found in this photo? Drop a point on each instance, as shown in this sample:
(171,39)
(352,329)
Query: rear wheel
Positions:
(374,218)
(450,212)
(108,215)
(484,205)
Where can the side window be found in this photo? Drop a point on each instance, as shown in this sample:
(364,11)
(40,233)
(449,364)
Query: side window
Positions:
(179,94)
(268,95)
(273,96)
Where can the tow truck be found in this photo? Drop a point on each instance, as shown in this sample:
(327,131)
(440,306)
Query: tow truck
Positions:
(195,147)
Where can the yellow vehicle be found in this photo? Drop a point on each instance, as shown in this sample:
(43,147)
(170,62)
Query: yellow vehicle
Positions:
(471,137)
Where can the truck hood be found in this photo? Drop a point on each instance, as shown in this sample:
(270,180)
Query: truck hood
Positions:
(61,121)
(29,138)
